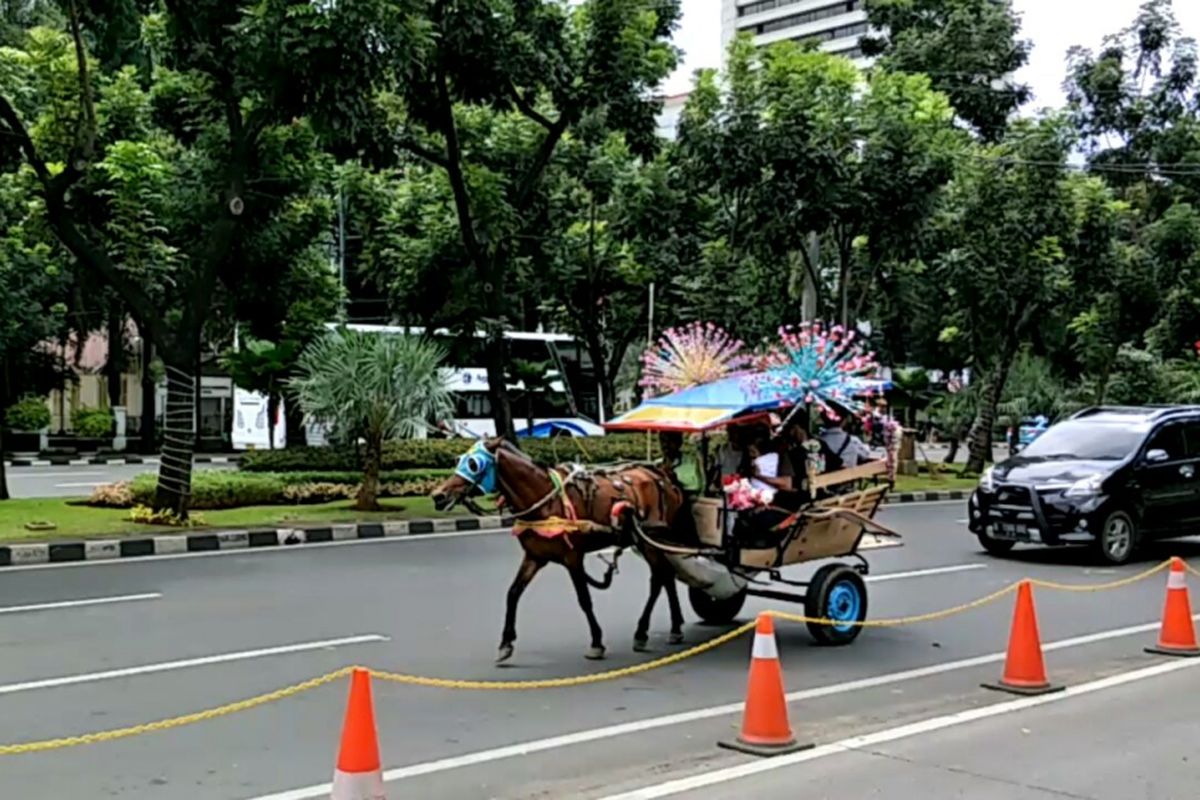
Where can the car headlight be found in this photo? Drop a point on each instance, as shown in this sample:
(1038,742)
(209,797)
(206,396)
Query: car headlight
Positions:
(986,482)
(1085,487)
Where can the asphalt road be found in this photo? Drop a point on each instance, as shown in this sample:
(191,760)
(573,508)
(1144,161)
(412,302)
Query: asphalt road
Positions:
(185,634)
(76,481)
(1067,748)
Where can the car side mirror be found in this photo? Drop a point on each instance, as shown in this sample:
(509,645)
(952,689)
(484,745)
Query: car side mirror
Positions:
(1156,456)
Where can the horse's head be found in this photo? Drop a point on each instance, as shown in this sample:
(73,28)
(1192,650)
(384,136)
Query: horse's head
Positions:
(477,472)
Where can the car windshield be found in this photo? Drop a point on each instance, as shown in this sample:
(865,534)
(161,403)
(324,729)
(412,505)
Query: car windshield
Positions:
(1087,440)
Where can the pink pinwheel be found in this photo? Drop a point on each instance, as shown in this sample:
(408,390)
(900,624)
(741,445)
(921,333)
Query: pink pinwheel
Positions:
(688,356)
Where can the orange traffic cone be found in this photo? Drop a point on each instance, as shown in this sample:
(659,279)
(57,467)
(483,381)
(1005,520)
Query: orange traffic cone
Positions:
(765,728)
(358,775)
(1024,669)
(1177,636)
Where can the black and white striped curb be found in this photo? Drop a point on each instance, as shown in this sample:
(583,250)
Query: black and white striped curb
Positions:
(67,461)
(927,497)
(15,555)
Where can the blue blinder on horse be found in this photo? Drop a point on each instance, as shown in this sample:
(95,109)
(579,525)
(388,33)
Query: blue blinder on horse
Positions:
(477,466)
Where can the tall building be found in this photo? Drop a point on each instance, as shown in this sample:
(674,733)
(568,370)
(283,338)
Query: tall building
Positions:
(837,25)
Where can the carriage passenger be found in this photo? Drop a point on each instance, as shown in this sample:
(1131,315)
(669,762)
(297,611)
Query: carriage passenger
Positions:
(791,479)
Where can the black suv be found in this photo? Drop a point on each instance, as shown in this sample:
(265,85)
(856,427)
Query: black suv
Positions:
(1109,477)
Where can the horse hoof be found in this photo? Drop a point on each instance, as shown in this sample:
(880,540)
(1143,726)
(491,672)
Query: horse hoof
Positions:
(594,654)
(675,638)
(641,645)
(506,652)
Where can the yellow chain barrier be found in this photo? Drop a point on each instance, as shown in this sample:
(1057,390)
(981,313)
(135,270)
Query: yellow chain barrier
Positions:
(549,683)
(174,722)
(578,680)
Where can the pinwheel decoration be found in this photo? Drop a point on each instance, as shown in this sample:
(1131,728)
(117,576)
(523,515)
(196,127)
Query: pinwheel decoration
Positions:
(700,352)
(819,366)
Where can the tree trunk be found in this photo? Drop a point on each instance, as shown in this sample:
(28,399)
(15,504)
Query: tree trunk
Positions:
(981,437)
(293,421)
(1106,375)
(495,356)
(114,366)
(179,438)
(368,493)
(272,412)
(953,454)
(149,428)
(3,473)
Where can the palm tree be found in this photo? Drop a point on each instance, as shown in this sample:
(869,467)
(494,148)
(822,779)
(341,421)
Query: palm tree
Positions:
(378,387)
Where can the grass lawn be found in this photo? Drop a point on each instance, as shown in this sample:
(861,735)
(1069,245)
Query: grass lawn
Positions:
(946,481)
(81,522)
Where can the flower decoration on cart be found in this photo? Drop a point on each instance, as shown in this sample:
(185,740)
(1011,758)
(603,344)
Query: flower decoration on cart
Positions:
(740,495)
(697,353)
(819,366)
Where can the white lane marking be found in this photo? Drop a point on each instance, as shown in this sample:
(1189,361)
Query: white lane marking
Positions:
(90,601)
(38,476)
(921,573)
(168,666)
(652,723)
(77,485)
(254,551)
(689,784)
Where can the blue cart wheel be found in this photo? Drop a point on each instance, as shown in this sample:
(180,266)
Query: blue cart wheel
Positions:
(839,594)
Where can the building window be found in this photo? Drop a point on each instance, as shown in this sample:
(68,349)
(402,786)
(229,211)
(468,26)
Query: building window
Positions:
(844,32)
(842,7)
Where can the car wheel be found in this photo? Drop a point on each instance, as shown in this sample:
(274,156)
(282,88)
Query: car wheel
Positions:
(1118,538)
(995,547)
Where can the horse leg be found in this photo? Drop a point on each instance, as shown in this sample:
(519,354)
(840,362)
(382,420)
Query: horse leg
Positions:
(574,565)
(672,587)
(529,567)
(642,635)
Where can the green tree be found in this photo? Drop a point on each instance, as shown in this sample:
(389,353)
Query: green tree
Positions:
(32,295)
(969,49)
(373,387)
(815,178)
(156,193)
(263,366)
(442,69)
(1004,229)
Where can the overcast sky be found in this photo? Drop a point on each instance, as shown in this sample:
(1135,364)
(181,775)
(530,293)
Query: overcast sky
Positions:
(1052,25)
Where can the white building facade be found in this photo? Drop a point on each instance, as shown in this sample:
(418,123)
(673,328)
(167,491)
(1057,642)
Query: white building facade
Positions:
(837,26)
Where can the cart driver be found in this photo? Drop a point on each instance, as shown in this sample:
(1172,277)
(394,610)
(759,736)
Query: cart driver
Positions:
(684,466)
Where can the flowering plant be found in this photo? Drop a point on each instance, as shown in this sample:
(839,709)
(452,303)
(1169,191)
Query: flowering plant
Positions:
(740,495)
(700,352)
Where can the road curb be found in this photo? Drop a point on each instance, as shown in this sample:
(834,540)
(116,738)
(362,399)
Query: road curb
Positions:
(25,554)
(131,460)
(927,497)
(18,555)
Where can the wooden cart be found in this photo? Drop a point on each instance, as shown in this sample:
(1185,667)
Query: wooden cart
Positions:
(839,524)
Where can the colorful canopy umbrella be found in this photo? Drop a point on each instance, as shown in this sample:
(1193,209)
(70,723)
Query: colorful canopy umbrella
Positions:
(700,408)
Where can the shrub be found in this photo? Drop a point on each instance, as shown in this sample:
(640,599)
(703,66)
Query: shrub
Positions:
(444,453)
(215,489)
(30,413)
(148,516)
(92,423)
(112,495)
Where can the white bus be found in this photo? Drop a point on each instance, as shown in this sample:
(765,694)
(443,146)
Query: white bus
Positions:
(569,403)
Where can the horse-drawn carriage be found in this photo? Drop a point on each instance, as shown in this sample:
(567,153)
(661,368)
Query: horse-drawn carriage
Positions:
(727,565)
(562,513)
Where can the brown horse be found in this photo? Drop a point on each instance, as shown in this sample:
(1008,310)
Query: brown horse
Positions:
(566,512)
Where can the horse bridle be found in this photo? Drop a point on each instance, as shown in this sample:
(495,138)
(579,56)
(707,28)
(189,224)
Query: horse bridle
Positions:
(555,490)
